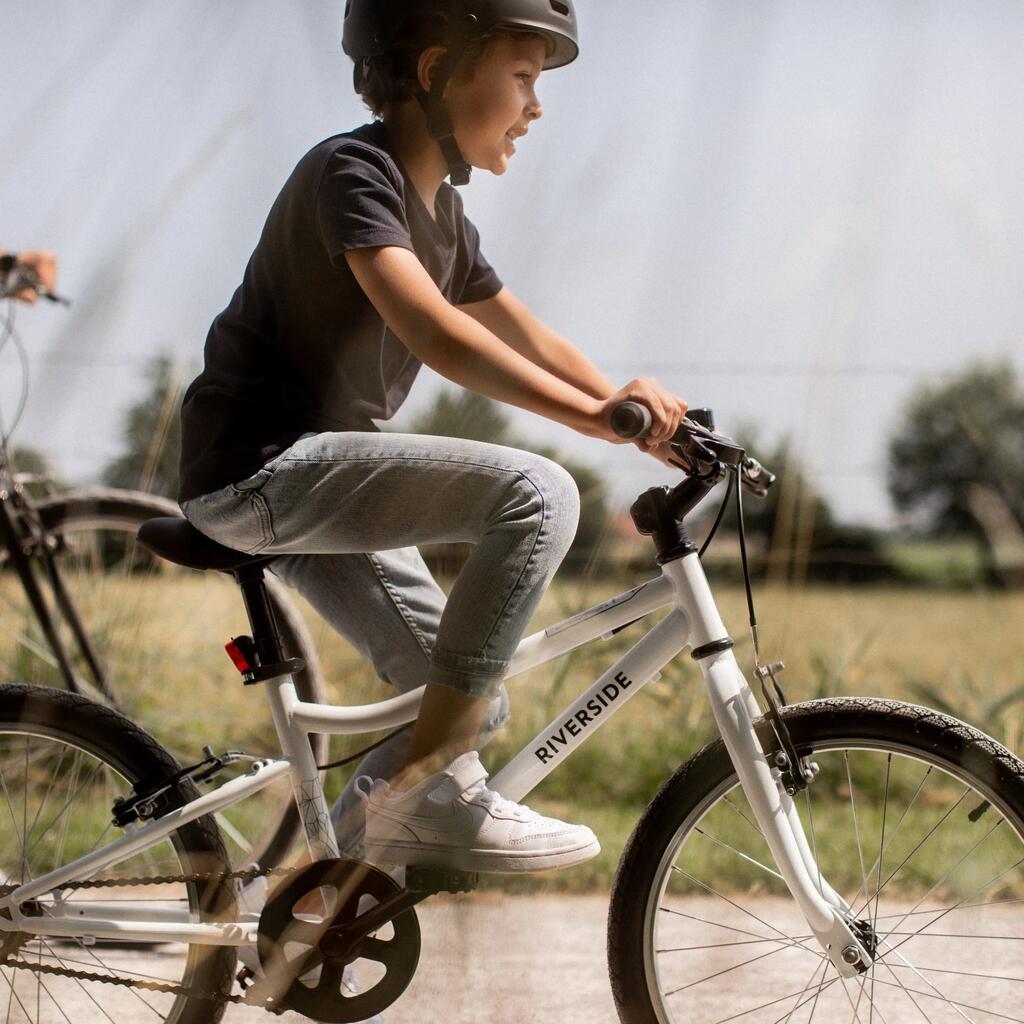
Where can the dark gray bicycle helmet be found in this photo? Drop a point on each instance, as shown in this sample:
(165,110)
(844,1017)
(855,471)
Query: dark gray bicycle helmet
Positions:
(372,27)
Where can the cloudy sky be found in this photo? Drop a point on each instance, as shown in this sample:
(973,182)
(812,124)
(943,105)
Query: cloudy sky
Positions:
(795,211)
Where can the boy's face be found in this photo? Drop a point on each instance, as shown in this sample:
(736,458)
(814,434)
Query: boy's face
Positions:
(496,105)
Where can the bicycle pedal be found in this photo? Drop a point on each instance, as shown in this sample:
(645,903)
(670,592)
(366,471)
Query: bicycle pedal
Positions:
(420,879)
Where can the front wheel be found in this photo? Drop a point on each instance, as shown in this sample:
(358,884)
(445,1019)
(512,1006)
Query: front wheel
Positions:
(916,819)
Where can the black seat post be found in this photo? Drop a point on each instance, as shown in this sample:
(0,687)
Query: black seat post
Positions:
(265,634)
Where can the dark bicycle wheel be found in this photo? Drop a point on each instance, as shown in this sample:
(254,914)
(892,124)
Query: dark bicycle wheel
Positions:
(159,631)
(63,761)
(916,819)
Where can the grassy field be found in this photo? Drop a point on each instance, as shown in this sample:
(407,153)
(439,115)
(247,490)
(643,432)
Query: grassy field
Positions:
(959,651)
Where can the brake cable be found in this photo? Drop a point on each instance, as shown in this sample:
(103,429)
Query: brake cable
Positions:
(718,519)
(794,774)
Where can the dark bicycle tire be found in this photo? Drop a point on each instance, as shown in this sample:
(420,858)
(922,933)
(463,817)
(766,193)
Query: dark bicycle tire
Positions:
(700,926)
(115,511)
(63,758)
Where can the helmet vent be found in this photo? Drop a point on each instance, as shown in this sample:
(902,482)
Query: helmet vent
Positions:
(560,8)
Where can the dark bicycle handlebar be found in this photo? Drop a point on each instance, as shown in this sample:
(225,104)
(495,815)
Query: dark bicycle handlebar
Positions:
(698,445)
(21,278)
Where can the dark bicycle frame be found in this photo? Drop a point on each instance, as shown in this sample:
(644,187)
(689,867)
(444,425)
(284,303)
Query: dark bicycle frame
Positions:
(26,541)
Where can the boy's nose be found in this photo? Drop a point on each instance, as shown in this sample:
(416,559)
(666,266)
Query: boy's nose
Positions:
(535,111)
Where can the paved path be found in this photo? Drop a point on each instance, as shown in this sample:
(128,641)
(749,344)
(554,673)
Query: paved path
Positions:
(501,960)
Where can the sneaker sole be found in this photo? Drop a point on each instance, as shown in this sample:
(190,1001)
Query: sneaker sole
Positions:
(504,862)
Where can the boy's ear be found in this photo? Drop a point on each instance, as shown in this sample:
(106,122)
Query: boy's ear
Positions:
(427,65)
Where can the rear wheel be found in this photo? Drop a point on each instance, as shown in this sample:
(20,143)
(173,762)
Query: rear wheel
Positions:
(917,820)
(158,631)
(63,761)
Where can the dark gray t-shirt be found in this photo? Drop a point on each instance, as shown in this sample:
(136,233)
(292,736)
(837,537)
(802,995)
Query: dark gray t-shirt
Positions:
(300,348)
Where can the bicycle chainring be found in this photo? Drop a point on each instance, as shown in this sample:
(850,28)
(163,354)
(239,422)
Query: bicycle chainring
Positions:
(304,963)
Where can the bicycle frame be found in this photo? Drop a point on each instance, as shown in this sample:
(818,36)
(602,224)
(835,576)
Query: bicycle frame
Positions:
(22,531)
(694,620)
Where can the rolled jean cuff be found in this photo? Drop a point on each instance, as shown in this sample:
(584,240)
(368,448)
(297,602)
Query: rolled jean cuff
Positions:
(475,677)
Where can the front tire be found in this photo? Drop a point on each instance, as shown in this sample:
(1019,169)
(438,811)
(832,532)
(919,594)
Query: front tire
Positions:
(916,819)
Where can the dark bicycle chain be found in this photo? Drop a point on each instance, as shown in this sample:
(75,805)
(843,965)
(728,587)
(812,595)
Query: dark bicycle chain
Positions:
(150,986)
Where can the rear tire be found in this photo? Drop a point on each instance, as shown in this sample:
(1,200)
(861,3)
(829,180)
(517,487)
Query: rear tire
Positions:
(917,820)
(63,760)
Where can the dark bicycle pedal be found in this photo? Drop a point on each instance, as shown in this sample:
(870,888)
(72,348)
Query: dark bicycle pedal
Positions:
(430,880)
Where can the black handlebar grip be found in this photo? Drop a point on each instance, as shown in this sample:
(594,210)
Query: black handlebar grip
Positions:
(631,419)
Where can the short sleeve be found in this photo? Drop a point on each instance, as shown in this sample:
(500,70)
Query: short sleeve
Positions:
(359,204)
(482,282)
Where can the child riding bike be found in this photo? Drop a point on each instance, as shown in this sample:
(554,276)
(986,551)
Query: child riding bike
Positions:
(366,269)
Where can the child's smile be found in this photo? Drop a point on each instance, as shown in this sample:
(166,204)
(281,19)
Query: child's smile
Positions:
(495,107)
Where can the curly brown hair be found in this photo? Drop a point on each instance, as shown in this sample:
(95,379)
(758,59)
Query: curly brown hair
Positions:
(393,76)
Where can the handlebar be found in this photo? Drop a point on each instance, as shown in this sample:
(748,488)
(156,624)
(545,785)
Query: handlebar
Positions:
(701,449)
(21,278)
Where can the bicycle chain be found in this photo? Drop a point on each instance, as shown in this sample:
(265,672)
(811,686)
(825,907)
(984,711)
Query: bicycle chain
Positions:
(249,875)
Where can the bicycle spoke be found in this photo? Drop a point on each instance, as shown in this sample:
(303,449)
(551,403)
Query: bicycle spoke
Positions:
(930,833)
(892,835)
(715,945)
(14,995)
(856,826)
(743,910)
(881,854)
(772,1002)
(905,991)
(814,842)
(958,1002)
(957,906)
(821,988)
(823,967)
(785,940)
(752,860)
(86,991)
(727,970)
(976,846)
(752,824)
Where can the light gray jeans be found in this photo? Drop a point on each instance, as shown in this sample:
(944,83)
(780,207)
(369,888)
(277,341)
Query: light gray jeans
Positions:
(346,511)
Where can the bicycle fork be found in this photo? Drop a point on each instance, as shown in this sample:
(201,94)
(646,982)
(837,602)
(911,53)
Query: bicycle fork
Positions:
(735,708)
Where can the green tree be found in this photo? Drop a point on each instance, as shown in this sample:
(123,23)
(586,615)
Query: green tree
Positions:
(795,533)
(152,443)
(466,414)
(956,462)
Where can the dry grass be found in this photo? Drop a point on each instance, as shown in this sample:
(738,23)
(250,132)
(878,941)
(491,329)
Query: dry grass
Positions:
(960,650)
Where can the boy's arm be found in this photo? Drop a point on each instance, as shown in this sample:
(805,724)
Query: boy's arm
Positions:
(518,326)
(465,351)
(515,324)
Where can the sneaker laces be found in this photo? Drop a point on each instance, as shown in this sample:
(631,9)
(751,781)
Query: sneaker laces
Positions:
(497,803)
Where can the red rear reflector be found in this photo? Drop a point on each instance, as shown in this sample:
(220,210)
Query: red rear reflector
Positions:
(237,655)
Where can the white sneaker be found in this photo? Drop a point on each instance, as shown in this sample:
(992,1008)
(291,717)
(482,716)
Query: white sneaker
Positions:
(452,819)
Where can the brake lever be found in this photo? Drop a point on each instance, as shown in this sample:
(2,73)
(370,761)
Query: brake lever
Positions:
(707,446)
(755,477)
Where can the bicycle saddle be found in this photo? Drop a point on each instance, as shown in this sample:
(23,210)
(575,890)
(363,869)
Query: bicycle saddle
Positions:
(180,542)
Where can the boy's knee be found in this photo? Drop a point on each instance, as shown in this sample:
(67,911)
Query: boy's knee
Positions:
(559,499)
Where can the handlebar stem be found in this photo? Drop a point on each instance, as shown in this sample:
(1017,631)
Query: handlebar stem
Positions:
(659,513)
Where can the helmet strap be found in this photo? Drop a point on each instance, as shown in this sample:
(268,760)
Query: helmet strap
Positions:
(439,122)
(439,125)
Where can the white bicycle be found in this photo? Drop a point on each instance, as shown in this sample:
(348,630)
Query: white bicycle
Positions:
(840,859)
